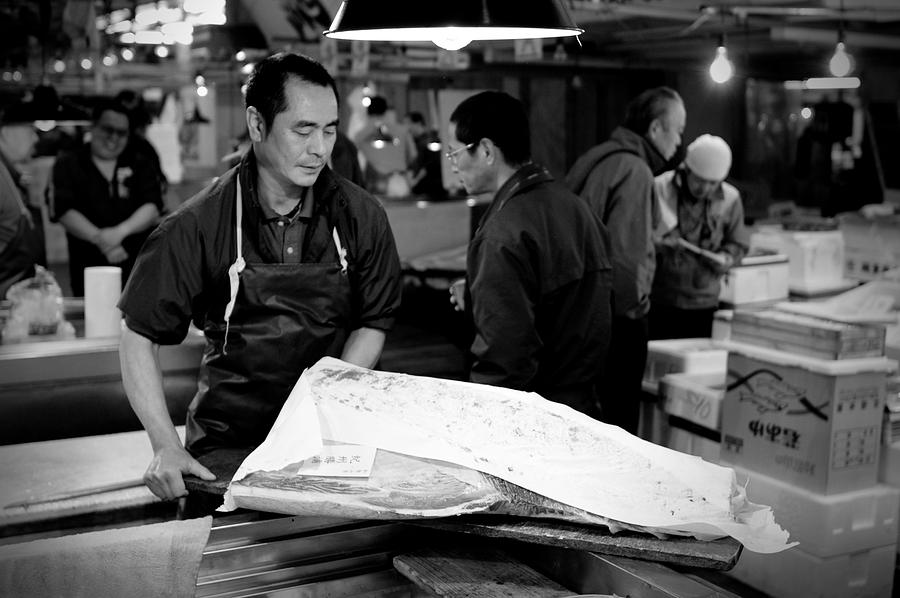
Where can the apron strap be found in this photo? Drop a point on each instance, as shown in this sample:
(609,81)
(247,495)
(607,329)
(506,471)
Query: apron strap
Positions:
(237,267)
(342,253)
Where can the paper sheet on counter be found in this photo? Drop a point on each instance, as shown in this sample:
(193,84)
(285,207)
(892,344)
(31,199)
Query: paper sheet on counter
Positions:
(545,447)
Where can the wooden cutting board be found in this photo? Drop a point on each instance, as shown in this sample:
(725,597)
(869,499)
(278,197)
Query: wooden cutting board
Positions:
(719,554)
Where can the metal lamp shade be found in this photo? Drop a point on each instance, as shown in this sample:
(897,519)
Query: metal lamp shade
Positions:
(455,21)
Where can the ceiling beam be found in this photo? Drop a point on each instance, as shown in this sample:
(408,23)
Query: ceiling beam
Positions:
(827,37)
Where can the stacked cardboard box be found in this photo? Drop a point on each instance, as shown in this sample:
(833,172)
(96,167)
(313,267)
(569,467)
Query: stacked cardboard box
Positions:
(806,433)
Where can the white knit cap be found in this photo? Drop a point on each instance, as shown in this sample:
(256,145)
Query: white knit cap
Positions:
(709,157)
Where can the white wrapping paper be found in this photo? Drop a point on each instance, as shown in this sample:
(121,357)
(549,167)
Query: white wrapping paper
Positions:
(545,447)
(102,287)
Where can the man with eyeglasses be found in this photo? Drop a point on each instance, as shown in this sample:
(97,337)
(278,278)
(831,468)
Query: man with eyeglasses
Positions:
(107,200)
(538,273)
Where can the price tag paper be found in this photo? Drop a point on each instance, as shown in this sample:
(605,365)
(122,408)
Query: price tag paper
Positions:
(340,460)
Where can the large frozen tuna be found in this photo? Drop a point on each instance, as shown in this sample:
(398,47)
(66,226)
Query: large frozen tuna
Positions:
(446,447)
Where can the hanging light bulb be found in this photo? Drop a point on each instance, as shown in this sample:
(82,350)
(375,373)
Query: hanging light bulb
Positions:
(721,69)
(841,63)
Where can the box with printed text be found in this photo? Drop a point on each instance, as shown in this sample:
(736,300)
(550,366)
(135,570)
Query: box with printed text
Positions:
(810,422)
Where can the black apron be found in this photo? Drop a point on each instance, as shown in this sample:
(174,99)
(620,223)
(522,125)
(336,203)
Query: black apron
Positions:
(281,319)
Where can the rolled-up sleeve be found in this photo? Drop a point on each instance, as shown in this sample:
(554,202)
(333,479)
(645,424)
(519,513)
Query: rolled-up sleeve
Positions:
(166,286)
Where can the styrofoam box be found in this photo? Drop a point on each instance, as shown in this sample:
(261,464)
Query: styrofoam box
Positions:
(816,258)
(756,280)
(694,397)
(830,525)
(810,422)
(871,245)
(889,464)
(721,328)
(795,573)
(685,441)
(695,355)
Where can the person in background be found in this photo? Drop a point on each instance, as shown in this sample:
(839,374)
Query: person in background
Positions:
(616,179)
(138,144)
(425,170)
(539,276)
(21,238)
(107,200)
(345,160)
(387,149)
(279,261)
(700,236)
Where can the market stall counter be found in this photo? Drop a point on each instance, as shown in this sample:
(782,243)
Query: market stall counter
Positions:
(52,389)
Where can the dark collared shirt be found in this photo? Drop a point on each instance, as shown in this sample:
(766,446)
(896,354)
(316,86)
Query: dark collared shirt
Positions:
(284,234)
(182,272)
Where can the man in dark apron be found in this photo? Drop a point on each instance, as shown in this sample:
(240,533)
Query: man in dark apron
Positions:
(280,262)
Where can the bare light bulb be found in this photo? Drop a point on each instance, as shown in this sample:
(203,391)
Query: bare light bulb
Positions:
(450,39)
(721,68)
(841,63)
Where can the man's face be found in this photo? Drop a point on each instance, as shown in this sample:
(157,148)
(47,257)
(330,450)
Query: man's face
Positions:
(470,167)
(18,141)
(302,136)
(699,187)
(109,135)
(666,131)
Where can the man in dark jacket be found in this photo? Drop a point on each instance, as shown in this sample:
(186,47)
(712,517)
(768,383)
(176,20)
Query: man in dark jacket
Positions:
(616,179)
(538,268)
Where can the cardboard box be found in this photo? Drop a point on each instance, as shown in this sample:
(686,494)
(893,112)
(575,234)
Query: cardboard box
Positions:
(827,526)
(795,573)
(696,398)
(807,335)
(806,421)
(695,355)
(757,279)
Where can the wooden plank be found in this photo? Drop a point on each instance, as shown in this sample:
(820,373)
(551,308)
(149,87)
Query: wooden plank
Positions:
(719,554)
(487,573)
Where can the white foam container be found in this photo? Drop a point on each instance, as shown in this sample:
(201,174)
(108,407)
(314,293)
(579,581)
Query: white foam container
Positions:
(798,574)
(831,525)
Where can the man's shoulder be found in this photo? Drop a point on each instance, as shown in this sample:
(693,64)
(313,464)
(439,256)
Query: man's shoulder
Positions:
(207,205)
(354,197)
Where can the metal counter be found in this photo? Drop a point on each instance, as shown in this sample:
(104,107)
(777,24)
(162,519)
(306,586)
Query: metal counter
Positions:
(69,388)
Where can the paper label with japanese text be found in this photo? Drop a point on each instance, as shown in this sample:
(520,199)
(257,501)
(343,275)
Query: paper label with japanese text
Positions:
(340,460)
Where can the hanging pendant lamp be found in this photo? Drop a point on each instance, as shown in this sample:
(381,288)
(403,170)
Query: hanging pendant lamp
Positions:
(451,24)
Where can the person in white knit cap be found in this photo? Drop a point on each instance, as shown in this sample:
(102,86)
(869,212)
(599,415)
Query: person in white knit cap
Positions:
(700,235)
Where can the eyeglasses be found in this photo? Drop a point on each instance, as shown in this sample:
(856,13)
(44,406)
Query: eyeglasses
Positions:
(453,156)
(112,131)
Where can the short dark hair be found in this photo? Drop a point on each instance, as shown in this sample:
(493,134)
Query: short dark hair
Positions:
(497,116)
(265,87)
(109,105)
(416,117)
(649,105)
